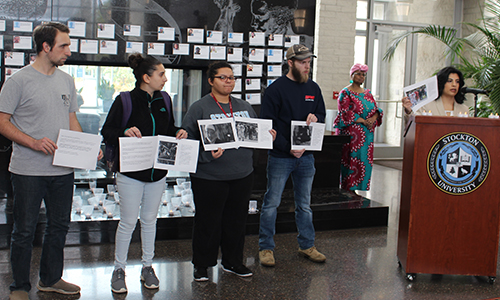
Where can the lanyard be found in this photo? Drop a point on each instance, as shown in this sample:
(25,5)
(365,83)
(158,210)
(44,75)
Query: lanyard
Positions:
(230,106)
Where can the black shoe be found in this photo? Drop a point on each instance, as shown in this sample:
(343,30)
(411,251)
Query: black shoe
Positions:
(200,274)
(240,270)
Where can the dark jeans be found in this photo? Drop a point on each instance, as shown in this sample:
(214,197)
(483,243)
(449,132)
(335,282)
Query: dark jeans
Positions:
(57,192)
(220,220)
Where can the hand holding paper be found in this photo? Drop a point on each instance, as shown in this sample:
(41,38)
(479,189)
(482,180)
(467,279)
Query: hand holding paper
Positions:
(77,149)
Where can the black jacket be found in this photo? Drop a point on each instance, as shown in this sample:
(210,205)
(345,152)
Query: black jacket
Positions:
(152,118)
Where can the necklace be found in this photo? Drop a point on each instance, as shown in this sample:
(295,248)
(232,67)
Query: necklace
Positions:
(230,106)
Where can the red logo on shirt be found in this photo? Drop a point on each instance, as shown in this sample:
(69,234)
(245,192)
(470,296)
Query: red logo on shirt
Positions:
(309,98)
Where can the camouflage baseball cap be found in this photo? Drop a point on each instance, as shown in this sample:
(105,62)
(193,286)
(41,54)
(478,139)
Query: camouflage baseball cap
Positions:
(299,52)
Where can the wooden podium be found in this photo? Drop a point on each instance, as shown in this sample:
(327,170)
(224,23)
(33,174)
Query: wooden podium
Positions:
(450,228)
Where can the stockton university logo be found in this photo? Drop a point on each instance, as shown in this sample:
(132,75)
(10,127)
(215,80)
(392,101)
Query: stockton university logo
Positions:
(458,163)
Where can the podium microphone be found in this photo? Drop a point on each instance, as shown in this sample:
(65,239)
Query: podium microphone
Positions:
(474,91)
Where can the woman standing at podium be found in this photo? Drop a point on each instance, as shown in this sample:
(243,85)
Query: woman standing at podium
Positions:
(450,100)
(358,116)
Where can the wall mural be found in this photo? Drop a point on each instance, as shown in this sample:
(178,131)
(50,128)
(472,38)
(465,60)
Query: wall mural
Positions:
(252,35)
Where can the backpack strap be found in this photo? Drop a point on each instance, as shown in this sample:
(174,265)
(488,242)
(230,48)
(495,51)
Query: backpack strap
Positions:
(168,101)
(127,107)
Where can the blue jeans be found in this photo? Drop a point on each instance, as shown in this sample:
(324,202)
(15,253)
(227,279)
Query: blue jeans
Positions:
(278,170)
(57,192)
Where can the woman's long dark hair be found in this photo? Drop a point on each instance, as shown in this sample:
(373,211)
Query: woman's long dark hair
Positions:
(442,77)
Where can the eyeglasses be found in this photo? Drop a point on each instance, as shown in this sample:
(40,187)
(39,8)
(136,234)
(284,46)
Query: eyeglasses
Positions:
(360,74)
(225,78)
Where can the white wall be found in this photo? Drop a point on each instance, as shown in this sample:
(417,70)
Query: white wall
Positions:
(334,45)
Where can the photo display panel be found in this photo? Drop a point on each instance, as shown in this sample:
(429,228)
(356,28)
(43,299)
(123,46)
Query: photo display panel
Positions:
(181,34)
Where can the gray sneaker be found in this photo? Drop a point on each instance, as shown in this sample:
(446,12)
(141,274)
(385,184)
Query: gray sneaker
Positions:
(149,278)
(118,281)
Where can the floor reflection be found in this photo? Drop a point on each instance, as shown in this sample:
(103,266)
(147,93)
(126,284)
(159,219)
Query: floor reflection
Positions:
(361,264)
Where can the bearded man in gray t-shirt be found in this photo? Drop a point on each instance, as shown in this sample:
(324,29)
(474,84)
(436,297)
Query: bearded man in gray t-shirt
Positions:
(35,103)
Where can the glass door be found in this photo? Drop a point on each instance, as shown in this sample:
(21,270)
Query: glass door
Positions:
(386,80)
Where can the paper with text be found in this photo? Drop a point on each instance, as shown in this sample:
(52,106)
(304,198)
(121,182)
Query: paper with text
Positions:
(309,137)
(76,149)
(160,152)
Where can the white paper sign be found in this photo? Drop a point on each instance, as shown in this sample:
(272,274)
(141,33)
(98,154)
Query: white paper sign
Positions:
(201,52)
(176,155)
(22,26)
(218,52)
(257,38)
(237,69)
(166,34)
(73,47)
(180,49)
(274,70)
(106,31)
(237,85)
(254,70)
(77,149)
(253,98)
(195,35)
(108,47)
(254,133)
(76,28)
(131,30)
(275,40)
(89,46)
(234,54)
(156,48)
(214,37)
(160,152)
(13,58)
(218,133)
(21,42)
(137,154)
(274,55)
(308,137)
(252,84)
(422,92)
(235,37)
(256,54)
(132,47)
(291,40)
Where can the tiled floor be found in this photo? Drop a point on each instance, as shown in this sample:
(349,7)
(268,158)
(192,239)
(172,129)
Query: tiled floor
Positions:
(361,264)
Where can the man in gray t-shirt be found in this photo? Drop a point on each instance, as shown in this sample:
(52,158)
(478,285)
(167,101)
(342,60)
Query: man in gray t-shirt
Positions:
(35,103)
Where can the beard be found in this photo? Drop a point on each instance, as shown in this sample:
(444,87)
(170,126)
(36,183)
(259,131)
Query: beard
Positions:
(299,77)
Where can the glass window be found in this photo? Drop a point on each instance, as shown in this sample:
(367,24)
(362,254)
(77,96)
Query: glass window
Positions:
(359,49)
(362,10)
(360,25)
(98,86)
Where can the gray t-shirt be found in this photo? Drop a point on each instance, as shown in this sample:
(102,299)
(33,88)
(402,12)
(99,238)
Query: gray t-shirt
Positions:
(40,105)
(234,163)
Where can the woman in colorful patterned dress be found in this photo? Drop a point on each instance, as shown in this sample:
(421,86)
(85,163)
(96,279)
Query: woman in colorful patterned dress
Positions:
(358,116)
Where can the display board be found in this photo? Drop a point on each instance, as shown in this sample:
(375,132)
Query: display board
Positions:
(252,35)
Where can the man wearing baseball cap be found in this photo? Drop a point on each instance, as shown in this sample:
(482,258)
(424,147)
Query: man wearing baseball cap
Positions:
(291,97)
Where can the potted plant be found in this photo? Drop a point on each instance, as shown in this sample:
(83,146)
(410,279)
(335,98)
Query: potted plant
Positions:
(105,91)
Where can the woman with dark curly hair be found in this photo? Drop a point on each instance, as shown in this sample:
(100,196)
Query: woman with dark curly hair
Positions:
(450,100)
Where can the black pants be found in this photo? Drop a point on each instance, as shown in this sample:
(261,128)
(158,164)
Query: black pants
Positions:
(220,220)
